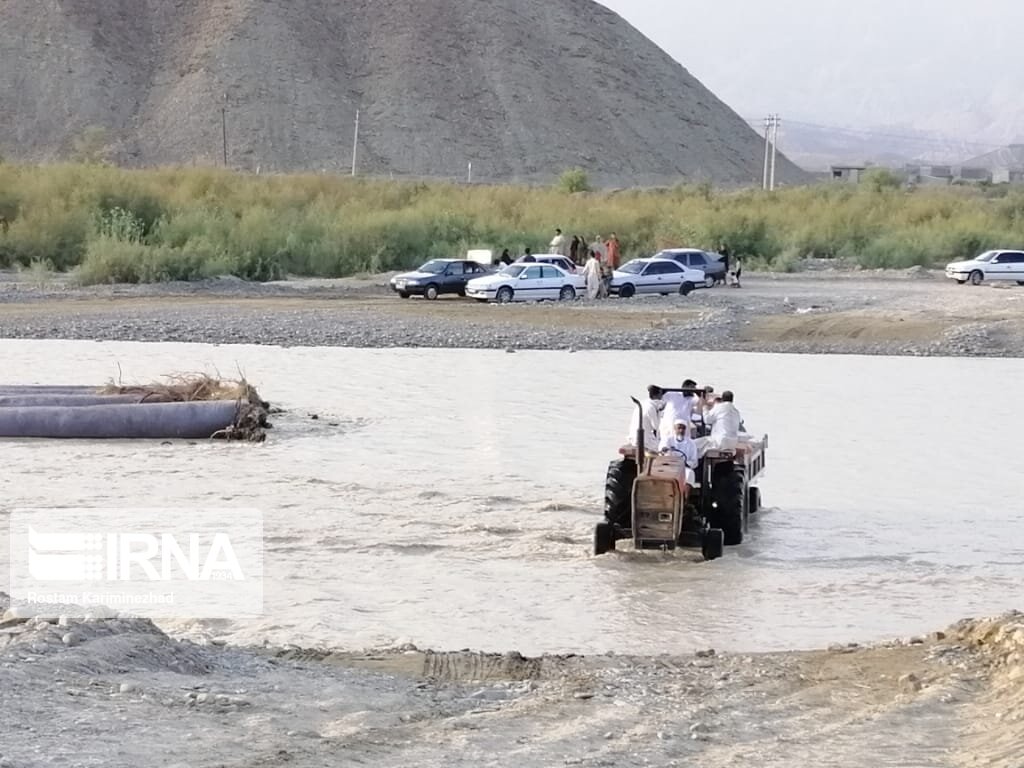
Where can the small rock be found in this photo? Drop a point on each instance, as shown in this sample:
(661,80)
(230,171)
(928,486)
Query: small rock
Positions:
(699,728)
(939,636)
(583,695)
(910,683)
(70,639)
(663,736)
(127,688)
(202,698)
(609,735)
(509,351)
(705,654)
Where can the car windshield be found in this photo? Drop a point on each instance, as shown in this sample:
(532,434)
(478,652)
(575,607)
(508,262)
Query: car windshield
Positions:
(434,267)
(513,270)
(987,256)
(633,267)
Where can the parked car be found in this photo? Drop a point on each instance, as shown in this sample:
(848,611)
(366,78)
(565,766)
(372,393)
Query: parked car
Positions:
(990,265)
(710,264)
(558,261)
(526,282)
(646,276)
(438,276)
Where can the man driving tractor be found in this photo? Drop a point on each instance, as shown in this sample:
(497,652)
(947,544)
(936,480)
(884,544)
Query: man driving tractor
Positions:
(678,442)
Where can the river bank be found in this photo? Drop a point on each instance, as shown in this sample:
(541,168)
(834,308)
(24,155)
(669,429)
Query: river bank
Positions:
(112,691)
(914,312)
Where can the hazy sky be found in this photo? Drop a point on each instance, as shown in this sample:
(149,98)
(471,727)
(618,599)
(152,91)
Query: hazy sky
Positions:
(953,66)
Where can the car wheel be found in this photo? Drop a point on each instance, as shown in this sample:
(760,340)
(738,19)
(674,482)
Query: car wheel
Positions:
(430,292)
(961,282)
(686,288)
(977,277)
(462,293)
(1020,282)
(627,291)
(709,281)
(404,295)
(504,295)
(568,293)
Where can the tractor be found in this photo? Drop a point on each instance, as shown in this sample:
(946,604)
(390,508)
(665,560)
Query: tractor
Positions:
(644,497)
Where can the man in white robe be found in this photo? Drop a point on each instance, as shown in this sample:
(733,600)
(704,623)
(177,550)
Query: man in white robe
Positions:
(592,274)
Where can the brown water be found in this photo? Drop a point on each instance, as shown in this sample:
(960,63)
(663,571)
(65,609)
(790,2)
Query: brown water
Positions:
(454,503)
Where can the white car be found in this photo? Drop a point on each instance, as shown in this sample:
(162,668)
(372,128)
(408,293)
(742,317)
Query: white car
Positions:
(991,265)
(526,282)
(647,276)
(559,261)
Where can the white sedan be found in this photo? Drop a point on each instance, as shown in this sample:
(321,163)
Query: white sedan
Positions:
(991,265)
(647,276)
(526,282)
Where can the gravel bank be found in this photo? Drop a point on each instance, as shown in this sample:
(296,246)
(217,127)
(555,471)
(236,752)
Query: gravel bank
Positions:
(119,692)
(905,313)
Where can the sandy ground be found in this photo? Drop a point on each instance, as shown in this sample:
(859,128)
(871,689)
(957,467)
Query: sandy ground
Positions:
(122,693)
(895,313)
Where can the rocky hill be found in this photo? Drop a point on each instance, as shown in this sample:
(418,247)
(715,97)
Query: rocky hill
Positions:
(522,89)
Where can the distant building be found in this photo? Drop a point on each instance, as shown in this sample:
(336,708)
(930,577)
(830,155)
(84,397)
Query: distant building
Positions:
(1004,166)
(848,173)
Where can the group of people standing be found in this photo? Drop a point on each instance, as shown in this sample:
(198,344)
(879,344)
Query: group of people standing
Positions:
(598,259)
(667,419)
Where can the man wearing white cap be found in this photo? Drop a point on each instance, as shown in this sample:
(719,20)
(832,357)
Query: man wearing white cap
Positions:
(678,443)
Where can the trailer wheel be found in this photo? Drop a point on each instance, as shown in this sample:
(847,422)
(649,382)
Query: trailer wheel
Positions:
(729,497)
(604,539)
(618,492)
(754,499)
(713,545)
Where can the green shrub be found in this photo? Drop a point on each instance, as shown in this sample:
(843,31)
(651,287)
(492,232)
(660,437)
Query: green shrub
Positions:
(574,180)
(175,223)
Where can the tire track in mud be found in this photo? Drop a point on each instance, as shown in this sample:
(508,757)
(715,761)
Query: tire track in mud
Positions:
(445,667)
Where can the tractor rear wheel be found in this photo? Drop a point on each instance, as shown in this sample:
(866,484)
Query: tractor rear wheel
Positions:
(604,539)
(618,492)
(729,497)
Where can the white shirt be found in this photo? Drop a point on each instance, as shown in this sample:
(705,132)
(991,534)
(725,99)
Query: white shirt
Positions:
(685,448)
(558,244)
(678,407)
(651,420)
(724,420)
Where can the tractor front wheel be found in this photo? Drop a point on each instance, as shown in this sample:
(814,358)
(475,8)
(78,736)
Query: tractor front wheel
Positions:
(713,545)
(604,539)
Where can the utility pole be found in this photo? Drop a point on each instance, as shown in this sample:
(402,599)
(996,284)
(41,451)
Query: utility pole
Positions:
(355,144)
(469,173)
(224,128)
(767,139)
(775,147)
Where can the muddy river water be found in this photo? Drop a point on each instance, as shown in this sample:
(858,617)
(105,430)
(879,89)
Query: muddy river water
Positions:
(447,498)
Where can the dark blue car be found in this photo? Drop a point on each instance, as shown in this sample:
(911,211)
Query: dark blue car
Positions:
(437,277)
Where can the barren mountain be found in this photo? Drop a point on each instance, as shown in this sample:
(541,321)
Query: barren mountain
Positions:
(523,89)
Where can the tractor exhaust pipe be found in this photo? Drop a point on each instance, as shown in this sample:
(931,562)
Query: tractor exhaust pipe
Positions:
(640,448)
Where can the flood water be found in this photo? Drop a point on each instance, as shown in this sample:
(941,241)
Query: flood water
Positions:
(453,505)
